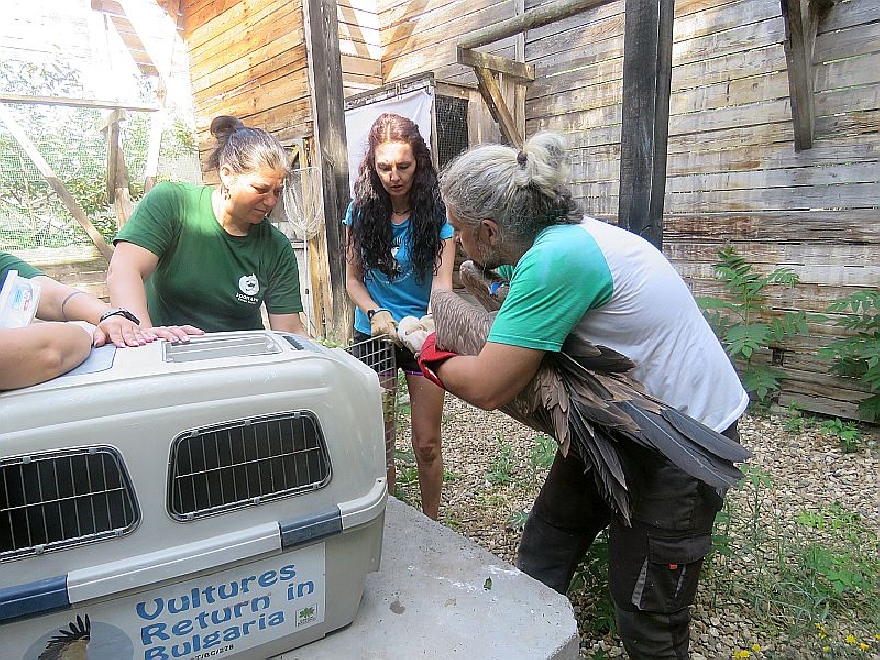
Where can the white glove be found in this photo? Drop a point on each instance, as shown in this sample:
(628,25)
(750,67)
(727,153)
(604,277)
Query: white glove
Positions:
(413,331)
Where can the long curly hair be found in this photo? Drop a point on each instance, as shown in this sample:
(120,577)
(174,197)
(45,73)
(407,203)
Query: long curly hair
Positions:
(370,235)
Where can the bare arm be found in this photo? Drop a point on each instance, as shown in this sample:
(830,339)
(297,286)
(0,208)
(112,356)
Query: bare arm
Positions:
(287,323)
(59,302)
(40,351)
(354,279)
(129,269)
(445,266)
(493,377)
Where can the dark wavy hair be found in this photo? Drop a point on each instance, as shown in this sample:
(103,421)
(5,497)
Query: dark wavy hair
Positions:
(370,235)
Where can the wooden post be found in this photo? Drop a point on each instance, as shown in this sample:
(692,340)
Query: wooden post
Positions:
(52,179)
(331,157)
(801,18)
(647,77)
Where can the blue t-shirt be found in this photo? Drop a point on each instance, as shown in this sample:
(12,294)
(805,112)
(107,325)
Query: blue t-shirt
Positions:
(404,295)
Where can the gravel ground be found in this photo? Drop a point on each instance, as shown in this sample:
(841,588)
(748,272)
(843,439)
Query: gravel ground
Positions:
(495,467)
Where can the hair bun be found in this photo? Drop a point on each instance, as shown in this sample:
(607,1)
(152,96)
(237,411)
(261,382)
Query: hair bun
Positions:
(224,126)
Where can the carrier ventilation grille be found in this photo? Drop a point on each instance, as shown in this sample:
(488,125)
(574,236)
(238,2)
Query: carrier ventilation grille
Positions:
(245,463)
(68,497)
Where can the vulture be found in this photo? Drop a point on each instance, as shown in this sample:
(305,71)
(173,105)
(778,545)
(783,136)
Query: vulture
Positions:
(585,398)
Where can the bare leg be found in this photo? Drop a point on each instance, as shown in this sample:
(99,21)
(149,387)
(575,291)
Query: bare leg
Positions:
(426,401)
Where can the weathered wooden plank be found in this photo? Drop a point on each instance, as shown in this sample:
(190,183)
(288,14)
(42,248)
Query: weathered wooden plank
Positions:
(753,114)
(731,93)
(849,14)
(294,114)
(735,39)
(855,123)
(718,18)
(582,20)
(858,195)
(799,37)
(361,66)
(258,68)
(599,123)
(224,20)
(447,21)
(563,101)
(863,70)
(551,12)
(826,275)
(849,42)
(780,254)
(441,58)
(760,60)
(576,48)
(763,155)
(265,26)
(850,226)
(767,133)
(577,76)
(847,100)
(250,101)
(868,172)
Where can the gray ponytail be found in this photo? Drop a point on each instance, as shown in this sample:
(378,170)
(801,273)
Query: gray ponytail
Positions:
(523,191)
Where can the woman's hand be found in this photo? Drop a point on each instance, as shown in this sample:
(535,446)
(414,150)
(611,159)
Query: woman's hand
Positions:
(413,332)
(174,333)
(120,332)
(383,323)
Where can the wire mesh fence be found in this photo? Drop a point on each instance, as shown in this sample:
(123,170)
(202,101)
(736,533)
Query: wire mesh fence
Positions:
(73,143)
(379,354)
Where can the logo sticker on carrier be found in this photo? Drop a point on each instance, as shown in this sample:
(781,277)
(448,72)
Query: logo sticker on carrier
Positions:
(219,615)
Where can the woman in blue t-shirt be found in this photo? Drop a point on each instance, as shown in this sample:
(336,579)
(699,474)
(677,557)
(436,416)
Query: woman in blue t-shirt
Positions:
(399,249)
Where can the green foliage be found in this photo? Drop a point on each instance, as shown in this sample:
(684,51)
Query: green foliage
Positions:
(543,452)
(501,468)
(802,575)
(739,321)
(590,583)
(72,142)
(858,356)
(847,432)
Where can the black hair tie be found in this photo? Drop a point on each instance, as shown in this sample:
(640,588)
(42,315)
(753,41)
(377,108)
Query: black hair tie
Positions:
(521,158)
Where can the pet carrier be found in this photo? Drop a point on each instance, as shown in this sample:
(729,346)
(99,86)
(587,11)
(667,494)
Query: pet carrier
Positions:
(219,498)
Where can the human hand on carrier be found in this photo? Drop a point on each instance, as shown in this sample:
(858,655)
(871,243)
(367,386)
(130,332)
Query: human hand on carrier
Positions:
(382,323)
(413,331)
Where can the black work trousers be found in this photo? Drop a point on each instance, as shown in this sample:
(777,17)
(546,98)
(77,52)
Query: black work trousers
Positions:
(654,565)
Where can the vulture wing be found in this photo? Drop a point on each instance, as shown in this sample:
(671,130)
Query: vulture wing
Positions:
(585,398)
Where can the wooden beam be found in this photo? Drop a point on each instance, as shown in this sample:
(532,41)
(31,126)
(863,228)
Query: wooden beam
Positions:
(331,157)
(491,94)
(69,201)
(645,121)
(5,97)
(534,18)
(801,18)
(512,68)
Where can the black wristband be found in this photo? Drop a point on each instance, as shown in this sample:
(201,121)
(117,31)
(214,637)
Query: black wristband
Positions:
(119,311)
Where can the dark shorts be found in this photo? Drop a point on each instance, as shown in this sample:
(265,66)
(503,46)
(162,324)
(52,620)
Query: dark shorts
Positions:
(364,345)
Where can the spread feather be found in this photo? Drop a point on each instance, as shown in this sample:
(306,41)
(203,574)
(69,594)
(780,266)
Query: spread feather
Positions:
(585,398)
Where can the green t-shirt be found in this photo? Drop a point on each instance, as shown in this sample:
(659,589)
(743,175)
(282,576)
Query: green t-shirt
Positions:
(556,281)
(205,276)
(9,262)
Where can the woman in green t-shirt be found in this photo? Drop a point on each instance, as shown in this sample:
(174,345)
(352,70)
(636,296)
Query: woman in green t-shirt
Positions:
(197,258)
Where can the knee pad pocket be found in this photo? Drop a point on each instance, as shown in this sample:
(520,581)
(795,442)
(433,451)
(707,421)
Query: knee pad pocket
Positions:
(665,578)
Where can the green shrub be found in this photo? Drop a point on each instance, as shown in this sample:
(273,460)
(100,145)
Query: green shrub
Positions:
(739,321)
(858,356)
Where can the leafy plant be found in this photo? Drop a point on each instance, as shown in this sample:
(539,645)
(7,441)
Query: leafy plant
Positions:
(500,470)
(847,432)
(858,356)
(740,321)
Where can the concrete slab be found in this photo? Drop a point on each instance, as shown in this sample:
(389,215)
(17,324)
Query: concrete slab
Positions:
(438,595)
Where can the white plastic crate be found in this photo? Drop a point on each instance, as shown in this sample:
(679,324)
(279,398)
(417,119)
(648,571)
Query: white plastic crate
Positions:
(221,498)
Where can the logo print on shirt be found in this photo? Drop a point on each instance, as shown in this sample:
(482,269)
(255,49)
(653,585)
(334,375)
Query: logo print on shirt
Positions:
(249,285)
